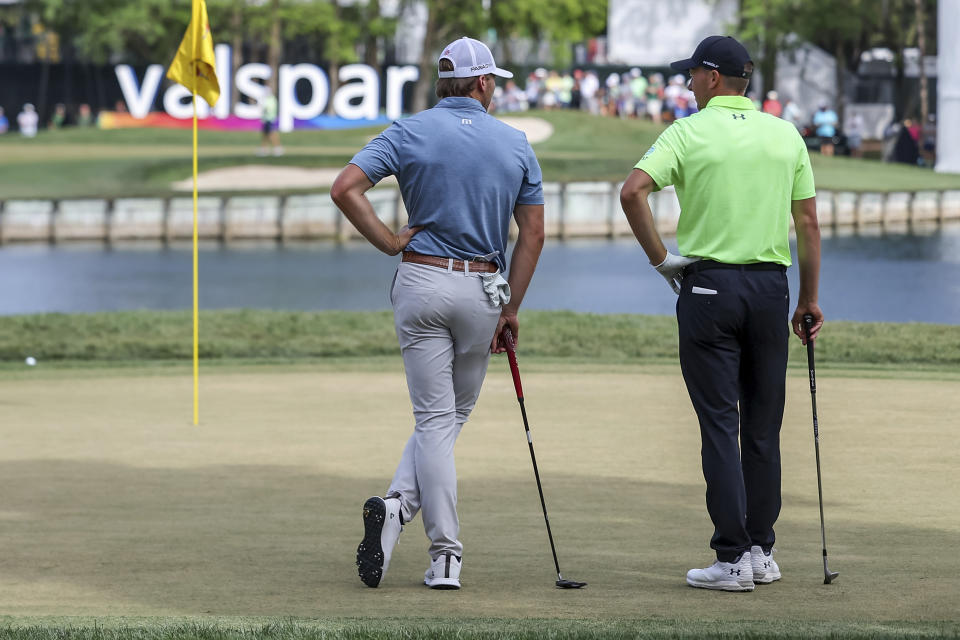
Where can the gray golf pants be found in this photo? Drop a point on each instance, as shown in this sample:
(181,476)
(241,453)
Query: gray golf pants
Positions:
(445,323)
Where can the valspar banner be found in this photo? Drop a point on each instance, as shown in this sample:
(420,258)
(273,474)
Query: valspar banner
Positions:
(355,103)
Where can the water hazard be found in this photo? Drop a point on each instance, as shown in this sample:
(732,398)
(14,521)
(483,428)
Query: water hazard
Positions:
(902,277)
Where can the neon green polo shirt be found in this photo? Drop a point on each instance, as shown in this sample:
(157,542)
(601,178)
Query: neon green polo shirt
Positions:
(736,171)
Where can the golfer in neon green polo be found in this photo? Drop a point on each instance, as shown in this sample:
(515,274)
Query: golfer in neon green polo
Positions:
(740,175)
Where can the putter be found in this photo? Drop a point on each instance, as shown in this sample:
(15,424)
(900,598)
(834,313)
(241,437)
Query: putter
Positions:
(828,576)
(507,335)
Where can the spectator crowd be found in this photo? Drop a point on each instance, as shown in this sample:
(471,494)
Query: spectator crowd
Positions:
(28,120)
(623,95)
(628,94)
(662,99)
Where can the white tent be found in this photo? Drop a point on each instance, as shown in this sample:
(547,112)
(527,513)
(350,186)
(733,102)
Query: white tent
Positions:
(654,32)
(948,86)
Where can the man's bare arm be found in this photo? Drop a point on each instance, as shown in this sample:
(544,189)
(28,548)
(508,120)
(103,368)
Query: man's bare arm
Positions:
(523,262)
(634,199)
(348,193)
(808,258)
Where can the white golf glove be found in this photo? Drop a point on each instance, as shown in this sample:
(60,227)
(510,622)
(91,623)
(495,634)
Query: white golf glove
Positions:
(672,269)
(496,288)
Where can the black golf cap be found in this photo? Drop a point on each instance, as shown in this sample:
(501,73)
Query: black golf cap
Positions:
(721,53)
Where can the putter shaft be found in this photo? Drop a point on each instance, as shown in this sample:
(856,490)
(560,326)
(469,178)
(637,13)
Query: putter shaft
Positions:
(515,372)
(828,575)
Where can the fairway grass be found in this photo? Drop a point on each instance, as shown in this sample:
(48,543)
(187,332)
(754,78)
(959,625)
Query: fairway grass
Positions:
(144,162)
(122,519)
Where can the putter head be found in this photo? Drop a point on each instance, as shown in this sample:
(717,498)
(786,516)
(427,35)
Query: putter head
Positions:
(570,584)
(830,576)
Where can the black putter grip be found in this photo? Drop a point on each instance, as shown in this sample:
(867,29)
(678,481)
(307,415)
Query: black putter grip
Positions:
(807,326)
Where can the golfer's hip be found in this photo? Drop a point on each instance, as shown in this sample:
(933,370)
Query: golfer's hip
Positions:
(425,297)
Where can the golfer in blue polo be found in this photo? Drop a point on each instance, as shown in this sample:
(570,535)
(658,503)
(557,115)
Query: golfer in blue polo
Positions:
(463,175)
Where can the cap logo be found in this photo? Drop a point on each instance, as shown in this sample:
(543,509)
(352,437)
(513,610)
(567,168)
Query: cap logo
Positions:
(710,64)
(447,52)
(480,66)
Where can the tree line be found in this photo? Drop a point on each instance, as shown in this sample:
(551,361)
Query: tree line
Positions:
(337,32)
(330,31)
(845,30)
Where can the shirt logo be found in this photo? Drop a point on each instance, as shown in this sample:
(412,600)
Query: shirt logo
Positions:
(739,115)
(649,151)
(466,121)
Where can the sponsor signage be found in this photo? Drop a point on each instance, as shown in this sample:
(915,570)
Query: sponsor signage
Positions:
(356,101)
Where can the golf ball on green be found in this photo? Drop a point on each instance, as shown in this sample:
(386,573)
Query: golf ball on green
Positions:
(30,361)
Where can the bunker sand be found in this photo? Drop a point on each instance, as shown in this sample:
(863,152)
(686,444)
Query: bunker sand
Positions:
(115,505)
(280,177)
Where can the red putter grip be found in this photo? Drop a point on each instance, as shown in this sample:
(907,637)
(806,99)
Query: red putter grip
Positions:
(512,357)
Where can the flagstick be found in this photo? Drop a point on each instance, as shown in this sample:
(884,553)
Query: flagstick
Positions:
(196,280)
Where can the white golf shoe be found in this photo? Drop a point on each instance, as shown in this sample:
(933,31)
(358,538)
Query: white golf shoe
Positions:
(765,568)
(724,576)
(444,572)
(382,525)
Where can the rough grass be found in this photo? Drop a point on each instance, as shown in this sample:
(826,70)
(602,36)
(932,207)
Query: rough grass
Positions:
(296,335)
(94,163)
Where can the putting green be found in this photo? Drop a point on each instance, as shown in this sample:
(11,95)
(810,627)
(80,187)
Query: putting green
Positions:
(113,504)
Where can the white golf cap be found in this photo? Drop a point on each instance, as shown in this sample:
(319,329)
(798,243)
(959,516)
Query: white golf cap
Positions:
(470,58)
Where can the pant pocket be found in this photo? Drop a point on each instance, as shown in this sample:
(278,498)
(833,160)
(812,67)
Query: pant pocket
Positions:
(393,285)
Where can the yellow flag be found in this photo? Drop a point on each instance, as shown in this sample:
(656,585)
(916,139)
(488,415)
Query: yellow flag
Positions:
(194,66)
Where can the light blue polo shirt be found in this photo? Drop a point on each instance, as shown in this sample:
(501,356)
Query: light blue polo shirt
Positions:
(461,173)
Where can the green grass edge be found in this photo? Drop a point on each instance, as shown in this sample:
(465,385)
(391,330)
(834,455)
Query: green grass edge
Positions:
(459,629)
(247,337)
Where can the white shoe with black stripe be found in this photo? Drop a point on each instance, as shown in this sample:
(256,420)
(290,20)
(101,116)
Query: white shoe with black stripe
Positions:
(724,576)
(382,524)
(444,572)
(765,568)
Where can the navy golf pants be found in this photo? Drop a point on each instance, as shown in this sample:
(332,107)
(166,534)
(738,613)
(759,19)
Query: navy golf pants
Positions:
(733,353)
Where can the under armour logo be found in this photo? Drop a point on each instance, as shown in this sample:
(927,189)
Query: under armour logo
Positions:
(739,115)
(734,571)
(391,516)
(466,121)
(766,565)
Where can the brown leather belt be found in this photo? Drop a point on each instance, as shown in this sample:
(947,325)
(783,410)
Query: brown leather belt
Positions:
(464,266)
